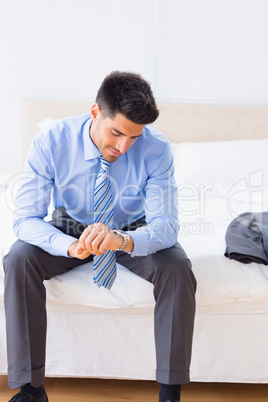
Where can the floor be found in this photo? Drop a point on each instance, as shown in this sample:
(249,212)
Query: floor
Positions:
(89,390)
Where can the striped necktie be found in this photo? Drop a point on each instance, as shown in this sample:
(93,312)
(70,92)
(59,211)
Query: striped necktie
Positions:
(104,266)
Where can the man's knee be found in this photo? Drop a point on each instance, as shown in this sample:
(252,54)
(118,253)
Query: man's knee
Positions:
(173,263)
(20,258)
(173,258)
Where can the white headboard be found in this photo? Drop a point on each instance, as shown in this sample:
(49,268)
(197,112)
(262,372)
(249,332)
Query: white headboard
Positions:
(180,123)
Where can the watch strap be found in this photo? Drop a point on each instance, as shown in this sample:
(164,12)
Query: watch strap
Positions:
(126,239)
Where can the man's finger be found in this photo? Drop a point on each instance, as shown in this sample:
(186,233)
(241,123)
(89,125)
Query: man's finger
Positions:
(85,233)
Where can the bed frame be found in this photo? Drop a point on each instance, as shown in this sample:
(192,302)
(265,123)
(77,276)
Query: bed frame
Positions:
(180,123)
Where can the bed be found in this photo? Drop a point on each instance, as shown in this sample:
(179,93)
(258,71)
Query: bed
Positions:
(220,157)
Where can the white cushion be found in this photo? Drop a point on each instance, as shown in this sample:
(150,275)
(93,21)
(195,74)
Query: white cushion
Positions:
(221,168)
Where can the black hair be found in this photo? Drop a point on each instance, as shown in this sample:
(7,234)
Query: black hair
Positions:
(128,94)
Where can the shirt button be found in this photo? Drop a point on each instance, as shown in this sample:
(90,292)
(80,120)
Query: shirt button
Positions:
(137,253)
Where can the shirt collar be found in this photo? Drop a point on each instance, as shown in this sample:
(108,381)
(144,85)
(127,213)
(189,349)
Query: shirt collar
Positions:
(90,149)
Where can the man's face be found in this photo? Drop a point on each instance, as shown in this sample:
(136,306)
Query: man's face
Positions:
(113,137)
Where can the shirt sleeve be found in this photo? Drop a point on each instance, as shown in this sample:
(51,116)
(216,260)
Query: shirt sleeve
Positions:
(31,203)
(161,209)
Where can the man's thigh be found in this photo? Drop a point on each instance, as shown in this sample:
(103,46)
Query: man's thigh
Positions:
(149,266)
(23,255)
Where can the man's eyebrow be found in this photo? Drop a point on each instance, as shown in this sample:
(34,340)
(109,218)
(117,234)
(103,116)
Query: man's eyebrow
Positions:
(119,132)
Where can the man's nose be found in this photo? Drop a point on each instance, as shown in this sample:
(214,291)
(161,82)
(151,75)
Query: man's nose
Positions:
(122,145)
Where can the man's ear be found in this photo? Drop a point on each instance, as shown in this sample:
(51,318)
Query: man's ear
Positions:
(95,111)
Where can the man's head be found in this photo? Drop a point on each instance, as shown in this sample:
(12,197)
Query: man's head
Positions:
(128,94)
(124,105)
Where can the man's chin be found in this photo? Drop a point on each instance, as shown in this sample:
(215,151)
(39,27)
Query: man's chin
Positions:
(111,156)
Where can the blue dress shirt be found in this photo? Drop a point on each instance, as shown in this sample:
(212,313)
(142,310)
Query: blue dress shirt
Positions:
(61,167)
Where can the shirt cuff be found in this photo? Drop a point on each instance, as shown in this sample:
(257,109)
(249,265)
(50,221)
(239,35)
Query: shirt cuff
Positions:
(61,244)
(141,243)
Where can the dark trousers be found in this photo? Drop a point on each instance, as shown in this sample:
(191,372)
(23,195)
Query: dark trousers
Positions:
(27,266)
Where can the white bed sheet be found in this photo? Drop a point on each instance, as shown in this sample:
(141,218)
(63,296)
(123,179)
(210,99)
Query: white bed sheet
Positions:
(202,235)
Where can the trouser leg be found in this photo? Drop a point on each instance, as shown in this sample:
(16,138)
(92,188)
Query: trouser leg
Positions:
(174,291)
(26,267)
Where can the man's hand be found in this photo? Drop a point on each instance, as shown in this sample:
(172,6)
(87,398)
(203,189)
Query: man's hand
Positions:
(96,239)
(76,251)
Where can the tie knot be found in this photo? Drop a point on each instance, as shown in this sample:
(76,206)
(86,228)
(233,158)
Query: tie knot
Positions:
(105,165)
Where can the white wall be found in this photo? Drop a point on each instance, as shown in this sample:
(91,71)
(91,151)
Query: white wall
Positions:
(192,51)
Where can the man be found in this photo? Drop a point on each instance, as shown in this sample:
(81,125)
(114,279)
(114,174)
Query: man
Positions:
(115,197)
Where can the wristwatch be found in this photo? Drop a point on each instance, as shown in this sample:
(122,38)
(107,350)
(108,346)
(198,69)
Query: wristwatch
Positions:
(126,238)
